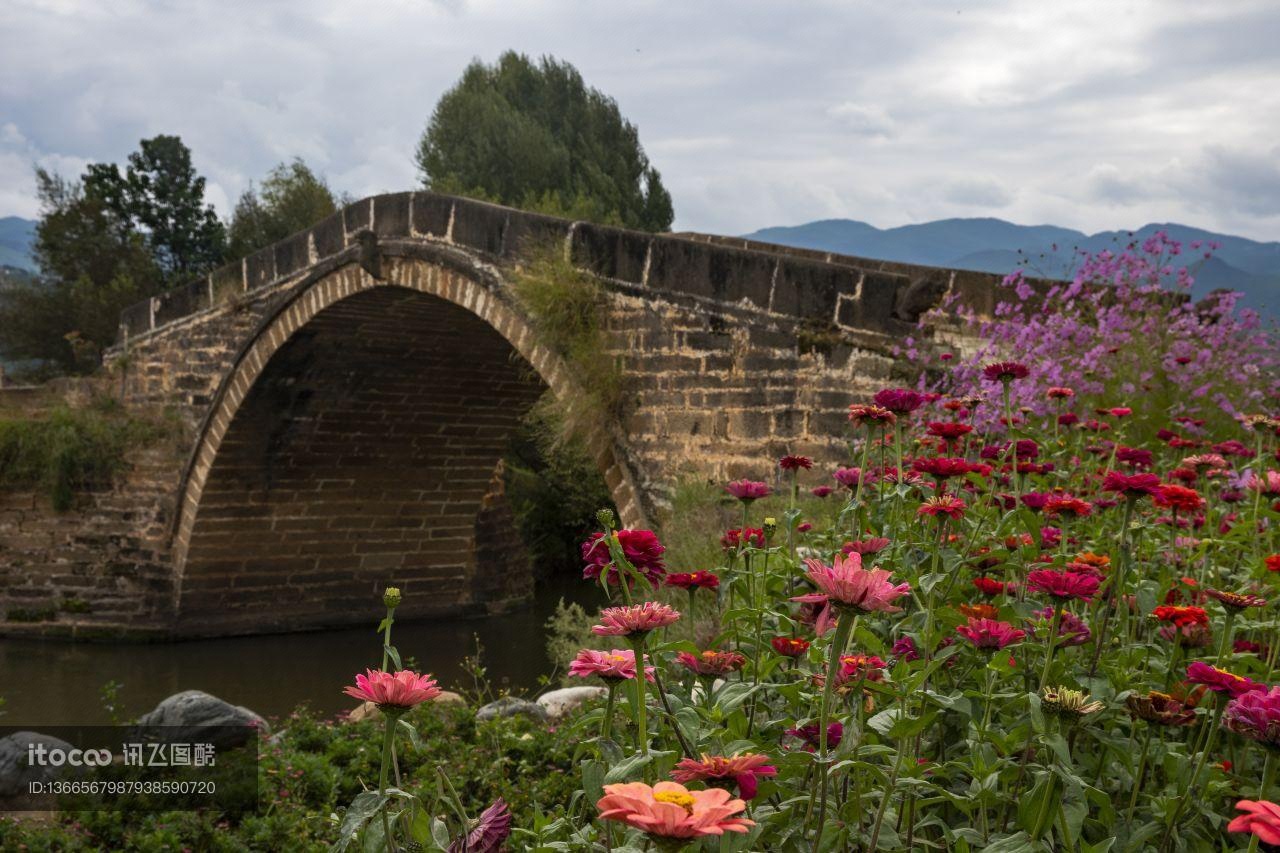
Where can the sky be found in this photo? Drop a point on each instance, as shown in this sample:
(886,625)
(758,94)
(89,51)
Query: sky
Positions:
(1089,115)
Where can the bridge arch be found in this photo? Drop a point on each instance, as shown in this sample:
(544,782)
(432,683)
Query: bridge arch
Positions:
(356,441)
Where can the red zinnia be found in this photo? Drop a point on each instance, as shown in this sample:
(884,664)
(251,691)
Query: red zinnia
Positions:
(791,647)
(795,463)
(751,537)
(641,548)
(1179,498)
(947,505)
(711,663)
(990,586)
(748,490)
(1131,485)
(949,430)
(1221,681)
(1182,616)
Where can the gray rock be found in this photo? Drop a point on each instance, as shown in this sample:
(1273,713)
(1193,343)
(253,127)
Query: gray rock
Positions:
(509,706)
(15,774)
(201,718)
(557,703)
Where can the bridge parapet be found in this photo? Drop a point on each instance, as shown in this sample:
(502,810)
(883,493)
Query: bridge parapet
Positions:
(847,293)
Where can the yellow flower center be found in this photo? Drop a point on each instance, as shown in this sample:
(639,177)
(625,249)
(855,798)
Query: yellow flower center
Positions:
(683,799)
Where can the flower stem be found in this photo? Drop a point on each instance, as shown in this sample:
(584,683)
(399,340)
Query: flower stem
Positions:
(389,730)
(844,627)
(642,732)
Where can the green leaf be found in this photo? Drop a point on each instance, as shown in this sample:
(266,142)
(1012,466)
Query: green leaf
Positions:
(359,813)
(393,656)
(627,769)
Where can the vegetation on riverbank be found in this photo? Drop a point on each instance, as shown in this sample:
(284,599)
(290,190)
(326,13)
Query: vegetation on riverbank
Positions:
(72,449)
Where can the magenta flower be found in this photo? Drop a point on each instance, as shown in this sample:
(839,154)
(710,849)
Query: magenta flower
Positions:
(1221,681)
(634,619)
(641,548)
(748,490)
(394,692)
(1255,715)
(847,585)
(900,401)
(1064,586)
(1072,631)
(1131,485)
(1005,371)
(847,477)
(810,734)
(990,634)
(489,833)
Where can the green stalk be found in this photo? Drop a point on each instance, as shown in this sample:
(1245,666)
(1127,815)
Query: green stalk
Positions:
(1053,643)
(389,728)
(1268,771)
(642,732)
(606,725)
(844,628)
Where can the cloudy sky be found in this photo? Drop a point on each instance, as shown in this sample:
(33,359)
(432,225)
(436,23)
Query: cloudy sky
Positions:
(1092,115)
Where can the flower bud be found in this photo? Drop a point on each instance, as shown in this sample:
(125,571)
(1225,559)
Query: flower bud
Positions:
(770,526)
(607,519)
(391,597)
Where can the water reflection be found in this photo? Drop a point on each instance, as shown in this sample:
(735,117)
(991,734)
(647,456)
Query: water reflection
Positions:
(50,683)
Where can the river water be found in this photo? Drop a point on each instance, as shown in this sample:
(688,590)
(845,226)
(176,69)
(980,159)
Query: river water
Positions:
(52,683)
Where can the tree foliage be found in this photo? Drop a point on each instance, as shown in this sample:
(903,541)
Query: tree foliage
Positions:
(160,195)
(292,197)
(534,135)
(93,264)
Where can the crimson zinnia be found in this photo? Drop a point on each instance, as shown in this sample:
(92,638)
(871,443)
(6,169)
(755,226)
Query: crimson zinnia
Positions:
(1005,371)
(1064,586)
(748,490)
(1255,715)
(990,634)
(641,548)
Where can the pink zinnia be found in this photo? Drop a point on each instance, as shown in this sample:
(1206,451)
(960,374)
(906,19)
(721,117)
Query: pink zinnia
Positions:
(634,619)
(742,770)
(641,548)
(990,634)
(669,810)
(1064,586)
(394,691)
(847,476)
(866,547)
(748,490)
(613,666)
(1221,681)
(1255,715)
(948,505)
(1260,818)
(862,413)
(847,585)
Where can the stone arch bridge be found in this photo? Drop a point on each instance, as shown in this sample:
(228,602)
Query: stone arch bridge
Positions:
(349,392)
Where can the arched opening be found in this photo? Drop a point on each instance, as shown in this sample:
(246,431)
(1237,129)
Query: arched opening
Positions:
(366,451)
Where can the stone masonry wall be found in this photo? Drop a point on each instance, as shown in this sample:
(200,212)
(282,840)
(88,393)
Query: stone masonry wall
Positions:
(350,390)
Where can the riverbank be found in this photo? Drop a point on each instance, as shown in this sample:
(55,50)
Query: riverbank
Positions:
(67,679)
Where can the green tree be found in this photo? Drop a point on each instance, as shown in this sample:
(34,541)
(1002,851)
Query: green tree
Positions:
(161,195)
(292,198)
(534,135)
(93,263)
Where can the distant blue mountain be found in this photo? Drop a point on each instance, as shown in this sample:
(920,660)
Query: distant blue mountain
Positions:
(16,238)
(994,245)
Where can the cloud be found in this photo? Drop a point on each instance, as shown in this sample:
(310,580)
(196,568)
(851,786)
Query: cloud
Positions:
(1093,115)
(977,192)
(863,120)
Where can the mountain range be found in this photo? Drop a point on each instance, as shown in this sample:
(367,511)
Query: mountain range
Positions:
(987,245)
(16,237)
(997,246)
